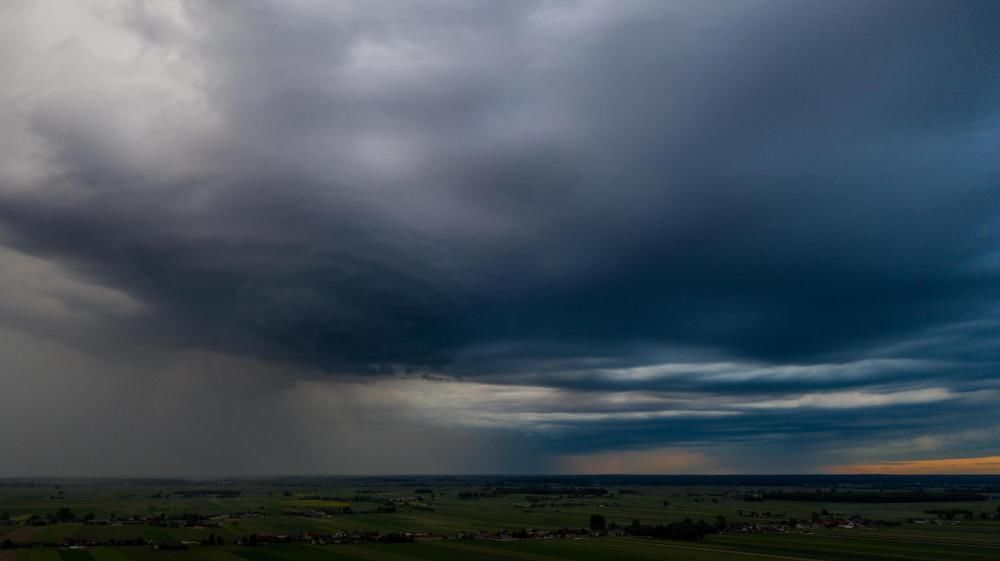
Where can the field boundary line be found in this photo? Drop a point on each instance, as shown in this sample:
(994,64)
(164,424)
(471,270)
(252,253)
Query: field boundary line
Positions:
(721,550)
(528,555)
(786,557)
(915,540)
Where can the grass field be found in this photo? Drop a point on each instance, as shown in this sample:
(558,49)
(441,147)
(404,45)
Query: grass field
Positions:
(755,530)
(744,548)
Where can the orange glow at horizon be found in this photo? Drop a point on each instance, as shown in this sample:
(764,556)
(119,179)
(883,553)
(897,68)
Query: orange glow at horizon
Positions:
(986,465)
(657,461)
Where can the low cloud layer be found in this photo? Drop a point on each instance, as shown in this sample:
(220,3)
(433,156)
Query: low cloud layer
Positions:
(478,236)
(986,465)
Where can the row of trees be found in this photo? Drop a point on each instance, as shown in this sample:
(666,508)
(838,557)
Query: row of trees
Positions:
(685,530)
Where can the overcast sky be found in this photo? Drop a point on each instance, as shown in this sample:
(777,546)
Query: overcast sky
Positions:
(554,236)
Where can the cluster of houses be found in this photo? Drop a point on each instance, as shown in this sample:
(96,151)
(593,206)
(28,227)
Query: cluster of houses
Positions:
(936,521)
(247,514)
(536,534)
(75,542)
(823,523)
(342,537)
(195,521)
(357,537)
(78,543)
(330,512)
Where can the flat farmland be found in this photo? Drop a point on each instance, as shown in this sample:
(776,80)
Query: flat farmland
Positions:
(745,548)
(486,519)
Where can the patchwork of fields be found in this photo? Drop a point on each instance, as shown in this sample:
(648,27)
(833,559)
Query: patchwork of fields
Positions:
(436,512)
(844,546)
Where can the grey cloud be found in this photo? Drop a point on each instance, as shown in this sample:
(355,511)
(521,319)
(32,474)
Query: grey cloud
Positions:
(681,198)
(552,194)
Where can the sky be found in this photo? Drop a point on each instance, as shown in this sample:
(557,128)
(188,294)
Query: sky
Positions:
(304,237)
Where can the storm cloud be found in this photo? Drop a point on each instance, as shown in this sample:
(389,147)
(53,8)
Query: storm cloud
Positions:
(676,229)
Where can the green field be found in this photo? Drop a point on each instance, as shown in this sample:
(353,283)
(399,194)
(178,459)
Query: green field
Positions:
(749,529)
(756,548)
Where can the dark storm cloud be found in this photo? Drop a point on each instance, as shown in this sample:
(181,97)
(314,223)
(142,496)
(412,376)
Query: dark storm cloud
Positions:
(807,180)
(549,194)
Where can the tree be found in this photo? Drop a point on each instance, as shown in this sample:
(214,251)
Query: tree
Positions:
(720,522)
(597,522)
(65,515)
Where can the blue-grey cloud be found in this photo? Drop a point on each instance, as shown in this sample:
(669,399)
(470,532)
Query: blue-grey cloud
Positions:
(730,204)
